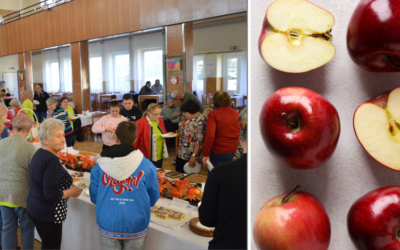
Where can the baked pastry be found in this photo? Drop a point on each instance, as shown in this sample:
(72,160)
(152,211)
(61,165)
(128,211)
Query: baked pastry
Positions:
(154,209)
(197,178)
(173,174)
(161,171)
(196,227)
(163,214)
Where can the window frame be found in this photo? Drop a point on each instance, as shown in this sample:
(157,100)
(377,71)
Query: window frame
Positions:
(225,72)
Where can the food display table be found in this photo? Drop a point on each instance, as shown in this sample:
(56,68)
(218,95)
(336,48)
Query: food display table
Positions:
(80,230)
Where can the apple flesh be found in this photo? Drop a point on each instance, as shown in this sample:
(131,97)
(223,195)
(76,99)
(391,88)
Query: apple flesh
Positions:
(300,127)
(299,223)
(295,36)
(373,220)
(373,38)
(377,127)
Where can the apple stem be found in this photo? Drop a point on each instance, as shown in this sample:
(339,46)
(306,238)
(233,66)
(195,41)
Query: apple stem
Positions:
(287,121)
(286,198)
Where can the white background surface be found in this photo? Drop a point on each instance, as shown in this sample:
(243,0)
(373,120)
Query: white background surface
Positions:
(351,172)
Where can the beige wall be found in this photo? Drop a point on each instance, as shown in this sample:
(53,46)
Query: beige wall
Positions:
(16,4)
(219,37)
(37,68)
(7,62)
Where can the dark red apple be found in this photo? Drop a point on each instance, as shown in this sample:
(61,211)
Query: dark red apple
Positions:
(373,35)
(292,221)
(373,221)
(300,127)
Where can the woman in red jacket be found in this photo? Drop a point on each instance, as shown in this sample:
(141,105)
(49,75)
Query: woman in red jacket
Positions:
(149,140)
(223,130)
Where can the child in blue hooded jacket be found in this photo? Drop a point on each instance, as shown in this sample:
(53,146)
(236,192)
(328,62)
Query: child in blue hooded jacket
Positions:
(123,186)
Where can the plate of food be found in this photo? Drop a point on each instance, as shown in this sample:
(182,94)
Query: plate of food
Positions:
(169,135)
(36,102)
(82,183)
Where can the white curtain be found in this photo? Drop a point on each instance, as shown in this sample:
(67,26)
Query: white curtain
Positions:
(95,68)
(49,63)
(243,73)
(65,69)
(198,75)
(149,72)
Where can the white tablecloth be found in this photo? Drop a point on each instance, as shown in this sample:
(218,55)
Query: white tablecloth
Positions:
(239,100)
(160,97)
(119,96)
(80,230)
(87,119)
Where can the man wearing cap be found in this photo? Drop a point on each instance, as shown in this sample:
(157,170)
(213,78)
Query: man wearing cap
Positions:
(183,96)
(41,97)
(26,103)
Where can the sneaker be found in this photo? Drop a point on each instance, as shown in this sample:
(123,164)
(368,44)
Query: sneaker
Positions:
(174,161)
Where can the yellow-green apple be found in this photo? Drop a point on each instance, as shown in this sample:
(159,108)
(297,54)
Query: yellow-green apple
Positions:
(295,36)
(292,221)
(377,127)
(300,127)
(373,37)
(373,220)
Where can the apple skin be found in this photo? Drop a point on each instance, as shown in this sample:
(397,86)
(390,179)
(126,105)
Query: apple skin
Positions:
(301,223)
(316,141)
(373,220)
(374,34)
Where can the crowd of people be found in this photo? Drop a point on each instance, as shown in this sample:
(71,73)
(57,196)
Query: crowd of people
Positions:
(134,144)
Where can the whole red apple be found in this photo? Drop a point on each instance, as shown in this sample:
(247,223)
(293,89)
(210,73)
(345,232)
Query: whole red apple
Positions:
(373,35)
(292,223)
(373,220)
(376,124)
(300,127)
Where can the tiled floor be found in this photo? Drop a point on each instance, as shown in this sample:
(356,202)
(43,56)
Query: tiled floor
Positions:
(96,147)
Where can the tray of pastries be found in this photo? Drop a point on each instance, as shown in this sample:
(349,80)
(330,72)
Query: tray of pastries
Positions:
(164,213)
(161,171)
(196,178)
(173,174)
(196,227)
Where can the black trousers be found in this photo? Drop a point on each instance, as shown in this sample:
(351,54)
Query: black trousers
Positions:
(179,165)
(158,163)
(50,233)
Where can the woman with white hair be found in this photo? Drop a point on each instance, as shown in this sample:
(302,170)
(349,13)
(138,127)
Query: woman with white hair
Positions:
(14,103)
(50,185)
(16,154)
(61,114)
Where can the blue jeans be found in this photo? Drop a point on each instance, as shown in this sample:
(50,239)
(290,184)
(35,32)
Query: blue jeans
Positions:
(69,140)
(220,158)
(10,218)
(41,116)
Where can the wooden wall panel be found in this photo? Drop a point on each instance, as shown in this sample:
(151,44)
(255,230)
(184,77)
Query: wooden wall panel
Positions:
(24,35)
(114,17)
(29,33)
(79,19)
(71,18)
(136,14)
(147,14)
(11,37)
(2,41)
(185,11)
(124,16)
(213,84)
(35,33)
(76,76)
(46,29)
(87,19)
(58,24)
(174,39)
(7,43)
(201,9)
(40,27)
(29,74)
(188,32)
(52,28)
(85,79)
(96,18)
(65,23)
(21,62)
(160,12)
(105,16)
(173,11)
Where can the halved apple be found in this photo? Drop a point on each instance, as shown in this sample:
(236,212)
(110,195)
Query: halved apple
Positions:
(296,37)
(377,127)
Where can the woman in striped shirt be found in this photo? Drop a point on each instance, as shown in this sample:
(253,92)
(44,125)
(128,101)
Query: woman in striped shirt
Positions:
(62,115)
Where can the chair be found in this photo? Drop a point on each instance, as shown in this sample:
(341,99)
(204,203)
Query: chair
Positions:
(210,103)
(233,103)
(147,97)
(240,108)
(204,101)
(177,141)
(93,118)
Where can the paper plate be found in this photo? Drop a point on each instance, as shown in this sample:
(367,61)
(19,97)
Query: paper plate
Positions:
(36,102)
(168,135)
(87,192)
(209,165)
(85,182)
(193,170)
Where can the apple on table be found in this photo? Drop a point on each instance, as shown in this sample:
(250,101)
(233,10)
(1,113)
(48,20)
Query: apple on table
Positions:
(373,37)
(296,36)
(377,127)
(292,221)
(373,220)
(300,127)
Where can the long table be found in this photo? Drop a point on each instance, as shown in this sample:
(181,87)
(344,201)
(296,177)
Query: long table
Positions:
(80,230)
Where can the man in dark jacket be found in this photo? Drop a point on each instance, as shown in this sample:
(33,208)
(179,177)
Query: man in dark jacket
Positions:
(41,97)
(224,204)
(129,110)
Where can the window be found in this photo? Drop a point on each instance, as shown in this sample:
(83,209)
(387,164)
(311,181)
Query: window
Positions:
(55,76)
(96,74)
(200,74)
(152,65)
(232,73)
(121,73)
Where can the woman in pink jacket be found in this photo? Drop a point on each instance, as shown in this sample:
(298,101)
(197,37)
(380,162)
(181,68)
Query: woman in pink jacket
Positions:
(108,123)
